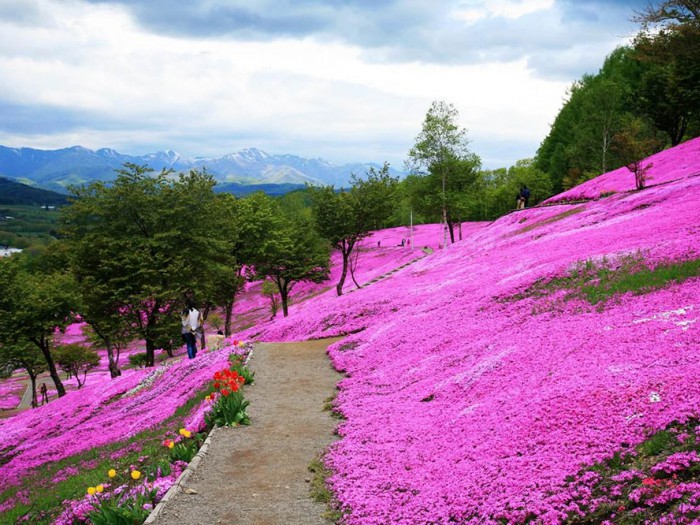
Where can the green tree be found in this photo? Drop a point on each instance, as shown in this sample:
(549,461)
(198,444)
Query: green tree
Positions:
(441,151)
(75,360)
(345,217)
(271,291)
(669,94)
(27,357)
(32,306)
(579,145)
(457,202)
(292,252)
(145,242)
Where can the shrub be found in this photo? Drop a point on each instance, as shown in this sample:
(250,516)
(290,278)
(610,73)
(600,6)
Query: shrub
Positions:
(75,359)
(139,359)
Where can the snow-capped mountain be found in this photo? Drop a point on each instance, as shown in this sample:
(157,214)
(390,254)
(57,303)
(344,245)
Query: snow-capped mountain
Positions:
(58,169)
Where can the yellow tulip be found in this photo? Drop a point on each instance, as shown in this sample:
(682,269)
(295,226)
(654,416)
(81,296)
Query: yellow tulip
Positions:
(171,444)
(187,434)
(99,488)
(111,473)
(91,490)
(135,474)
(182,431)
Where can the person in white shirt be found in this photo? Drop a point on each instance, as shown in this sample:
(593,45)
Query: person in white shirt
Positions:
(191,326)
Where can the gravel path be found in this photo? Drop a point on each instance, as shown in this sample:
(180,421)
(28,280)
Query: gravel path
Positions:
(258,474)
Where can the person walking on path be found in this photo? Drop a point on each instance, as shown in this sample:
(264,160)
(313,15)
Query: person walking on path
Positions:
(191,326)
(44,393)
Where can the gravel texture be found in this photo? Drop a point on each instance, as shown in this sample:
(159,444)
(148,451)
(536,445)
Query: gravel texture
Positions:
(259,474)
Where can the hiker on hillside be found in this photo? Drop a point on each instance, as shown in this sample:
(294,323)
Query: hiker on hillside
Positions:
(523,197)
(44,393)
(191,326)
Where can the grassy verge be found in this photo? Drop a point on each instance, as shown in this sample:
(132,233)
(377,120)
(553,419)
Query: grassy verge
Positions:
(656,481)
(40,495)
(597,282)
(319,489)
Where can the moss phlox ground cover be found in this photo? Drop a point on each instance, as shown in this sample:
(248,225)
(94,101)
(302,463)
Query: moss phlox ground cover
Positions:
(106,412)
(464,404)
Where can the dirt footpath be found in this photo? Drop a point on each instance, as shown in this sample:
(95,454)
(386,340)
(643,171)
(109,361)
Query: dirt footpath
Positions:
(257,474)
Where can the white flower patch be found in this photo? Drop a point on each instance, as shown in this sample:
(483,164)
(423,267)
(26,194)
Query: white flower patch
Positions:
(671,316)
(148,380)
(634,416)
(654,397)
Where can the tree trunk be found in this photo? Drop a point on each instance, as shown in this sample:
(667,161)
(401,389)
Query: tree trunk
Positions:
(283,287)
(227,321)
(150,352)
(352,272)
(113,368)
(150,343)
(113,362)
(43,345)
(339,287)
(35,403)
(451,227)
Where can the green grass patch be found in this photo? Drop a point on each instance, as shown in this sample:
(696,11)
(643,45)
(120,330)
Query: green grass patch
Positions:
(44,490)
(597,282)
(319,490)
(643,484)
(551,220)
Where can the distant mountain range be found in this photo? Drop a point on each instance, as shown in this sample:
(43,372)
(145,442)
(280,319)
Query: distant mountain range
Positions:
(57,169)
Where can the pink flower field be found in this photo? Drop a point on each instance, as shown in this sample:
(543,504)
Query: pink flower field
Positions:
(477,389)
(106,412)
(466,404)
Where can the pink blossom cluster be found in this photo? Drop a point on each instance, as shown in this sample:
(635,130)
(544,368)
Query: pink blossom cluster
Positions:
(104,412)
(11,391)
(464,404)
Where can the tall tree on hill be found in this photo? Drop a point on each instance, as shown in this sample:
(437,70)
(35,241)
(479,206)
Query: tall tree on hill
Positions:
(147,241)
(292,252)
(441,153)
(32,306)
(670,88)
(579,145)
(345,217)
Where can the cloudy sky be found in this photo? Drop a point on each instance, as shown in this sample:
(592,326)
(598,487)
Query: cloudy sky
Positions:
(345,80)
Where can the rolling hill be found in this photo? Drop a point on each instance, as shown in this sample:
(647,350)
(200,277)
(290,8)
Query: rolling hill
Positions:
(12,192)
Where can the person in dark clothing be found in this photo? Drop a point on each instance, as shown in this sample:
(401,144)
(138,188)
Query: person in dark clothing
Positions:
(523,197)
(44,393)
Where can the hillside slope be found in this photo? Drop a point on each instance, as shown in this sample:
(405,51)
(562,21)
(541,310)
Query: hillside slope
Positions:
(478,386)
(12,192)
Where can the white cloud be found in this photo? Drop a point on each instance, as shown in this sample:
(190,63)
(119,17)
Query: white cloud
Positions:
(138,91)
(471,11)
